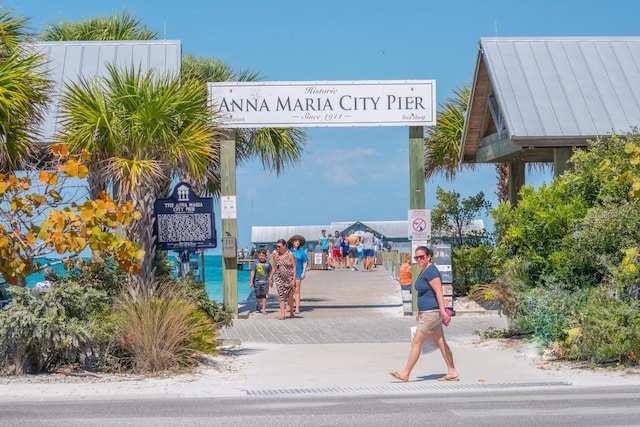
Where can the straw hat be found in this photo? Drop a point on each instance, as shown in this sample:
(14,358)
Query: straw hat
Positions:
(298,237)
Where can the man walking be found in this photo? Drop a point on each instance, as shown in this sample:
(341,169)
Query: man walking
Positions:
(367,249)
(324,242)
(337,249)
(353,241)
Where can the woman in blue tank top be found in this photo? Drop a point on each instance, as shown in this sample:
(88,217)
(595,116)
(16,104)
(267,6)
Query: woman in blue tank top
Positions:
(431,316)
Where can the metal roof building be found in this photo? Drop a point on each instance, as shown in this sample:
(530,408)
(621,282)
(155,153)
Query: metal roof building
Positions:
(392,231)
(536,99)
(395,231)
(67,61)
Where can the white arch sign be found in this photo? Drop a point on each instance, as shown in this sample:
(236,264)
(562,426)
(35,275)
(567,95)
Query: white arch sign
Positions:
(324,103)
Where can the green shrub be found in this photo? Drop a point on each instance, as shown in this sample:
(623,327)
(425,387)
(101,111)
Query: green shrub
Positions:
(164,332)
(41,331)
(194,291)
(606,330)
(545,312)
(472,266)
(595,246)
(537,228)
(103,275)
(165,268)
(505,290)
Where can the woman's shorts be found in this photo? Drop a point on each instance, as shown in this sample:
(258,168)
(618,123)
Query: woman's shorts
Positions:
(260,289)
(429,321)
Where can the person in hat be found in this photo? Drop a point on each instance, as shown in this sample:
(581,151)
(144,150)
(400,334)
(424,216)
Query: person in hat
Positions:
(283,275)
(300,255)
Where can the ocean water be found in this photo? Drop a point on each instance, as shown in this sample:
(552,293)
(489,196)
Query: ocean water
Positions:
(213,279)
(212,276)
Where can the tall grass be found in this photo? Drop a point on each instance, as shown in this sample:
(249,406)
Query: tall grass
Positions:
(163,332)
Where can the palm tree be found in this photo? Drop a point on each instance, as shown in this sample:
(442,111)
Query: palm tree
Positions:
(24,87)
(442,145)
(92,123)
(277,148)
(146,129)
(122,26)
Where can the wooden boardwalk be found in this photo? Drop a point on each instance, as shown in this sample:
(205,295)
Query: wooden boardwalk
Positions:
(342,306)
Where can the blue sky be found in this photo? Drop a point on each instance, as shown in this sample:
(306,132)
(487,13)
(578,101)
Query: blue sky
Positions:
(349,174)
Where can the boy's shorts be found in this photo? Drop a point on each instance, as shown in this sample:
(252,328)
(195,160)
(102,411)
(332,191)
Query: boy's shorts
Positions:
(260,289)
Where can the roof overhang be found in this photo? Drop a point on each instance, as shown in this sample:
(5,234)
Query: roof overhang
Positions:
(523,107)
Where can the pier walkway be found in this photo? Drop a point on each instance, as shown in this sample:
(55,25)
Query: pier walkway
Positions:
(344,306)
(352,332)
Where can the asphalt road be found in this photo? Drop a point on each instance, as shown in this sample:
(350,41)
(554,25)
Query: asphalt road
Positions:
(561,406)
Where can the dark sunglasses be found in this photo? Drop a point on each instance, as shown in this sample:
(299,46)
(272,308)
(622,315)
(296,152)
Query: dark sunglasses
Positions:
(419,257)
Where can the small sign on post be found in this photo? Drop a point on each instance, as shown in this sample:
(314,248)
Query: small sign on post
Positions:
(229,247)
(419,224)
(228,207)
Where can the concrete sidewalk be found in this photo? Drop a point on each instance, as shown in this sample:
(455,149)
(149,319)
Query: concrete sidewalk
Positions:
(350,335)
(351,332)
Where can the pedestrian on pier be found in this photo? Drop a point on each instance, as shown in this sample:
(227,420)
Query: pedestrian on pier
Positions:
(283,276)
(296,244)
(260,280)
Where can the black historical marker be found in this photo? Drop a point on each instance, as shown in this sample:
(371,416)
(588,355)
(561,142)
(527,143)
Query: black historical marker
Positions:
(184,221)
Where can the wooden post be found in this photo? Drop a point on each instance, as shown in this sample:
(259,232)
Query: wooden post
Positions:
(229,225)
(561,156)
(417,196)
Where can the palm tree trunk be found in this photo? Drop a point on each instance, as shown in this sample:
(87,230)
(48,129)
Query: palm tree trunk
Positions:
(502,170)
(141,231)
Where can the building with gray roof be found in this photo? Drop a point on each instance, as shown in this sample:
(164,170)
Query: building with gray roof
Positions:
(67,61)
(535,99)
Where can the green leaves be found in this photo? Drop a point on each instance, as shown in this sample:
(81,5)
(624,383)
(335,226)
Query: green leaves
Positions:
(122,26)
(23,92)
(443,140)
(42,331)
(452,216)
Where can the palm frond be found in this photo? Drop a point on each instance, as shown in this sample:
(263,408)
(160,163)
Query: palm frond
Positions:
(122,26)
(277,147)
(443,140)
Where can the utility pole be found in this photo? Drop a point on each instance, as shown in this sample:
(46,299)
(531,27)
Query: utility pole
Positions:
(416,189)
